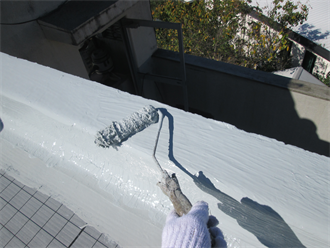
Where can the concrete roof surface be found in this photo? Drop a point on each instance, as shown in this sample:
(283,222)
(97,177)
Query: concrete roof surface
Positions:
(258,188)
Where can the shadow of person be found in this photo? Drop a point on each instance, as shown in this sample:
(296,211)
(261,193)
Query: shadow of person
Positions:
(261,220)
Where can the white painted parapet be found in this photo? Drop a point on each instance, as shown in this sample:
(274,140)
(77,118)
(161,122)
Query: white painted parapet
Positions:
(262,191)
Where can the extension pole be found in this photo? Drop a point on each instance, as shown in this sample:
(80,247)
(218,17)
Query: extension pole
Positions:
(170,184)
(160,119)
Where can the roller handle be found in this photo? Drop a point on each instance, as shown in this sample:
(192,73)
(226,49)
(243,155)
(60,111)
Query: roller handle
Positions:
(170,187)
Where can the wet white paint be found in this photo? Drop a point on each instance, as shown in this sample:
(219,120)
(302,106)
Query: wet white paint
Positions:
(119,131)
(50,120)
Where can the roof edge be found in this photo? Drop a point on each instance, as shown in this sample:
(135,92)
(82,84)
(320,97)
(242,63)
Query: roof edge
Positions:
(306,88)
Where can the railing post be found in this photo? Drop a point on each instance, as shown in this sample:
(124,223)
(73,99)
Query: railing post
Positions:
(135,23)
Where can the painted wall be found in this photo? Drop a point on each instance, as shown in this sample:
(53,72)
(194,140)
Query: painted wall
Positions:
(255,101)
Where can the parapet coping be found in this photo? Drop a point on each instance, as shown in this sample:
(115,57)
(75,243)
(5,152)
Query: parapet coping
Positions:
(306,88)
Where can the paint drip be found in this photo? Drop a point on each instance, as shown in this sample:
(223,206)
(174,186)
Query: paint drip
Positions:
(120,131)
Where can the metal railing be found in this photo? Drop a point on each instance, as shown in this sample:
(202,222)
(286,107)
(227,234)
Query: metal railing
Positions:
(179,81)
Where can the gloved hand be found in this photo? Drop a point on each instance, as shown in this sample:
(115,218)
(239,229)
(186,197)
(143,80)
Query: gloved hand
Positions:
(191,230)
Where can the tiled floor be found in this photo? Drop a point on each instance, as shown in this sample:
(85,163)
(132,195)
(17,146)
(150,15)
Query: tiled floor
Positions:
(31,219)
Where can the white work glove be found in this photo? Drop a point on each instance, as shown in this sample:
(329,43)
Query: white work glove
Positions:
(191,230)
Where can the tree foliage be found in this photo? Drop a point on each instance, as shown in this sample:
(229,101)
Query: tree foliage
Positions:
(223,30)
(323,78)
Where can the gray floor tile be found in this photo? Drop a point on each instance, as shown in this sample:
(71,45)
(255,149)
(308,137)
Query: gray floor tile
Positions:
(92,232)
(84,240)
(56,244)
(28,217)
(68,233)
(53,204)
(31,207)
(77,221)
(55,224)
(65,212)
(19,184)
(20,199)
(42,215)
(29,190)
(42,239)
(6,213)
(2,203)
(16,223)
(4,182)
(5,236)
(107,241)
(9,192)
(8,177)
(99,245)
(27,233)
(41,197)
(15,243)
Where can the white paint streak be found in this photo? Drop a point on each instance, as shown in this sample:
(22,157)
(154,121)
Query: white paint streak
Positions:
(50,120)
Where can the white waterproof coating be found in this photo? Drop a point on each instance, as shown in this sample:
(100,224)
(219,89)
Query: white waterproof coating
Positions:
(259,189)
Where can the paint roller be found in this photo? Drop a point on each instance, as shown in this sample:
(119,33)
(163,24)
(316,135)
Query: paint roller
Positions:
(118,132)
